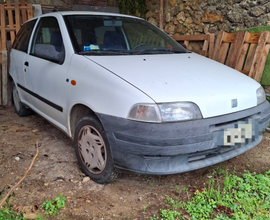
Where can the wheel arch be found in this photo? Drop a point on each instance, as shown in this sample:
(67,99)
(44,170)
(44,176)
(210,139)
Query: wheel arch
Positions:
(77,112)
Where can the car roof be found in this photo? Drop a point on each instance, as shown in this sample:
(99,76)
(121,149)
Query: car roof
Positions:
(63,13)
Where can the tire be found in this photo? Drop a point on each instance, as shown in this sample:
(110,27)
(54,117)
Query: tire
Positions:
(93,151)
(20,108)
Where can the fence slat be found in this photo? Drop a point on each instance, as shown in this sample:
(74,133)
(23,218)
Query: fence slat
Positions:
(23,11)
(258,54)
(17,18)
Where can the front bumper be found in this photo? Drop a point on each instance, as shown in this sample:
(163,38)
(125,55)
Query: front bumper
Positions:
(168,148)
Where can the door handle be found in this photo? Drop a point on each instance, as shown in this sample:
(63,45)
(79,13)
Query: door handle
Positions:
(26,63)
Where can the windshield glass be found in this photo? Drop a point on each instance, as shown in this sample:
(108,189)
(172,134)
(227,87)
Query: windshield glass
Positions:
(105,35)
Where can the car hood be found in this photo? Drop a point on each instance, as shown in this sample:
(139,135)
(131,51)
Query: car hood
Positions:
(185,77)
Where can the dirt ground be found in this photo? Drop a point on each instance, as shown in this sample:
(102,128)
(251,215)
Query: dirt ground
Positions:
(56,170)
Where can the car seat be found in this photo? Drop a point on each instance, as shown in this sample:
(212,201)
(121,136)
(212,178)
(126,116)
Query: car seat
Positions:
(56,40)
(112,40)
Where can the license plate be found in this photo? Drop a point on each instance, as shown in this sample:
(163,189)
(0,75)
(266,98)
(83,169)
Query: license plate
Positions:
(240,134)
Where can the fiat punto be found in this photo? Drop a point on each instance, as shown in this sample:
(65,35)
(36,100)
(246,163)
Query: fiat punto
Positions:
(130,97)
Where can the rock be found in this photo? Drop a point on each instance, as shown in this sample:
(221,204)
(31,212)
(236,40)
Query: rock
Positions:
(17,158)
(194,16)
(251,22)
(153,21)
(197,18)
(181,29)
(257,11)
(235,15)
(245,5)
(86,179)
(206,29)
(172,3)
(28,212)
(211,18)
(181,16)
(225,26)
(149,14)
(168,17)
(170,29)
(30,215)
(46,184)
(212,2)
(188,21)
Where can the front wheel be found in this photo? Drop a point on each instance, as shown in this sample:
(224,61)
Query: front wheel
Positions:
(93,151)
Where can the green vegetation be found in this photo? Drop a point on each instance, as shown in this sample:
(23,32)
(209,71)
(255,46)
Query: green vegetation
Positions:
(229,197)
(51,207)
(7,212)
(132,7)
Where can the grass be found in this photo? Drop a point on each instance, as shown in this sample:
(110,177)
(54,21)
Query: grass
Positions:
(52,207)
(229,197)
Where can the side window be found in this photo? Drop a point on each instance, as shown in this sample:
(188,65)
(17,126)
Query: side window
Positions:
(48,41)
(22,39)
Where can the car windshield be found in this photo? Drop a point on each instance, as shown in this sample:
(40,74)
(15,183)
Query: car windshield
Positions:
(106,35)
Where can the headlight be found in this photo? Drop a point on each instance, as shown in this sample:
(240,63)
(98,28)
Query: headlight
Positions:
(145,112)
(260,95)
(167,112)
(179,111)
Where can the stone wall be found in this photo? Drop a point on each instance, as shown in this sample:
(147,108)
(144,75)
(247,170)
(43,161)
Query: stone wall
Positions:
(101,3)
(209,16)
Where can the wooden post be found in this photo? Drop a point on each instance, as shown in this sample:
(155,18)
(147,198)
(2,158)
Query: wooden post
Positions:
(4,78)
(161,5)
(0,87)
(11,22)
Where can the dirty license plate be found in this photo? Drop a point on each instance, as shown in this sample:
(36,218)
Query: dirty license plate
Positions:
(239,134)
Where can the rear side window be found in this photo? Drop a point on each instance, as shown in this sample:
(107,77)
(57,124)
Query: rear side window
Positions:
(22,39)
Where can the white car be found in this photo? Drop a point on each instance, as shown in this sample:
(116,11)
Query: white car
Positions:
(132,98)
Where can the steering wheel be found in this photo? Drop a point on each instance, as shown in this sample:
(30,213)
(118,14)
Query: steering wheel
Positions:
(139,45)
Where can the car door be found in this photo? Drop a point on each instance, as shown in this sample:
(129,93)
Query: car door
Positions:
(17,57)
(46,68)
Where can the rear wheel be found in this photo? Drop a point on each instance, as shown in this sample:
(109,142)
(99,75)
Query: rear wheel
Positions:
(93,151)
(20,108)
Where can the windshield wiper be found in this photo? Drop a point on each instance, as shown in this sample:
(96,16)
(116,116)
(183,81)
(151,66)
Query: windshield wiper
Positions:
(104,52)
(158,51)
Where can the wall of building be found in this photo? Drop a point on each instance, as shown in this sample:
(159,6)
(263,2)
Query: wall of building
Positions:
(209,16)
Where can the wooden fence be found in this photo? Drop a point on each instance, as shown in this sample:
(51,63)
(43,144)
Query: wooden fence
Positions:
(207,39)
(243,51)
(12,16)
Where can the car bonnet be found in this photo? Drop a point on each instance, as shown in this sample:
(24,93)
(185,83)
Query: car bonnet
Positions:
(185,77)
